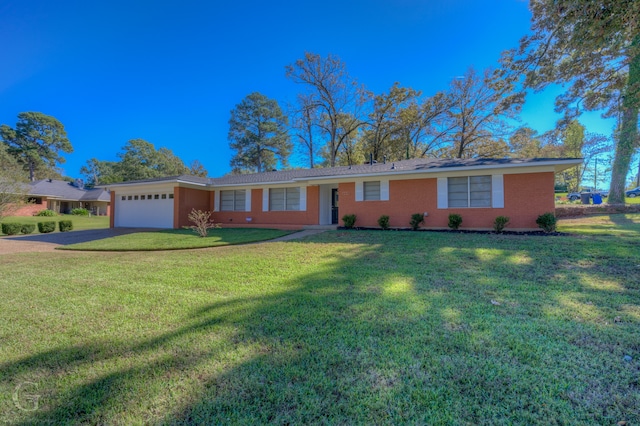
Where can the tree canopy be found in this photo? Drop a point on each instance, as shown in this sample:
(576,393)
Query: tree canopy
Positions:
(258,133)
(593,47)
(36,142)
(139,160)
(335,98)
(13,184)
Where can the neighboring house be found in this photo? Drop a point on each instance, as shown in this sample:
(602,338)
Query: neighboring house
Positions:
(62,197)
(478,189)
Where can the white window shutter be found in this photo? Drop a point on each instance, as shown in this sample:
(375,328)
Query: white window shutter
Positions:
(303,198)
(247,200)
(265,199)
(359,191)
(497,191)
(443,194)
(384,190)
(216,201)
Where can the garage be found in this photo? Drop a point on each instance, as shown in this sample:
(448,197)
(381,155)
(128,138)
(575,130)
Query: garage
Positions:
(144,210)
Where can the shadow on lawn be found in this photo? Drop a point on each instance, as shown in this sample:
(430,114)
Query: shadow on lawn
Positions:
(81,236)
(625,223)
(387,333)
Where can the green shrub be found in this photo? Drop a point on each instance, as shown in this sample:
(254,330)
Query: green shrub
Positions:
(383,221)
(27,228)
(416,220)
(80,212)
(65,225)
(500,223)
(455,220)
(11,228)
(349,220)
(46,212)
(46,227)
(547,222)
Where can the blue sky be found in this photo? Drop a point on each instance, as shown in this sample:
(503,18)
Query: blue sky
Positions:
(170,72)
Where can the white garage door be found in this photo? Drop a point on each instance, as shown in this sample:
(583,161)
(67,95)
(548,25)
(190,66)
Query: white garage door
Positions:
(144,211)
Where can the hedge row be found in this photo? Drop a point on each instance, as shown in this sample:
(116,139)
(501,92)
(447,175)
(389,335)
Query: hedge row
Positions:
(43,227)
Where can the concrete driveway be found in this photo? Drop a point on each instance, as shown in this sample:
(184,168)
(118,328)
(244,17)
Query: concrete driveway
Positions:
(48,242)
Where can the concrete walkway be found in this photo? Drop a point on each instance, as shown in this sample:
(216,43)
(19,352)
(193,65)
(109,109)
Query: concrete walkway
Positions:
(296,235)
(39,243)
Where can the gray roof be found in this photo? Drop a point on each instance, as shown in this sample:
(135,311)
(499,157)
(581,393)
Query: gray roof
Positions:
(67,191)
(388,168)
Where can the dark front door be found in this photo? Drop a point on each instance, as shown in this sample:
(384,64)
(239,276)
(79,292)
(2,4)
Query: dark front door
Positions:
(334,206)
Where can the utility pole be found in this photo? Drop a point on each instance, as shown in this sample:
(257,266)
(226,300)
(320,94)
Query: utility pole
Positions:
(595,176)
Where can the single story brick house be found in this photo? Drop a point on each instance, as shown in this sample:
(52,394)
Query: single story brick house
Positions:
(478,189)
(62,197)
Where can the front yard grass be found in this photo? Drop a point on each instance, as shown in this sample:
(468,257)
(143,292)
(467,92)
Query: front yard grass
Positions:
(79,222)
(343,327)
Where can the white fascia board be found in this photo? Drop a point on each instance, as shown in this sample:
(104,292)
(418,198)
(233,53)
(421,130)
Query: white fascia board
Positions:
(133,189)
(254,185)
(164,183)
(197,184)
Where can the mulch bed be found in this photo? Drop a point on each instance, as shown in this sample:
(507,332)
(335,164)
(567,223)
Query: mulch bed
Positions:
(590,209)
(461,231)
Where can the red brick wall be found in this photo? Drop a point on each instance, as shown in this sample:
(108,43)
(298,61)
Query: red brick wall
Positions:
(186,199)
(526,196)
(28,209)
(258,217)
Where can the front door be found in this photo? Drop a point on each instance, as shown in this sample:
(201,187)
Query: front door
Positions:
(334,206)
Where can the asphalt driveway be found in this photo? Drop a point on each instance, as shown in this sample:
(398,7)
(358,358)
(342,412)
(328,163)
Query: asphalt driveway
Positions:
(48,242)
(38,243)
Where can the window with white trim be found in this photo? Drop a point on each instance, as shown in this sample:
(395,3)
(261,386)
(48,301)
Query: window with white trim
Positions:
(371,191)
(232,200)
(281,199)
(469,191)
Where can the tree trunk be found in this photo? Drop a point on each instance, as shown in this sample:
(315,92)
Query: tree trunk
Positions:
(628,130)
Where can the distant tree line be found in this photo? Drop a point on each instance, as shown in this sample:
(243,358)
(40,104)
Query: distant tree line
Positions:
(139,160)
(33,150)
(336,121)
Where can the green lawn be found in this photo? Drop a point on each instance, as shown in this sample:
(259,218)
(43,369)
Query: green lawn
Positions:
(174,239)
(79,222)
(343,327)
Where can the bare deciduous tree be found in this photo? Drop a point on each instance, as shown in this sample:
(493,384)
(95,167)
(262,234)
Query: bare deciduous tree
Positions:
(334,94)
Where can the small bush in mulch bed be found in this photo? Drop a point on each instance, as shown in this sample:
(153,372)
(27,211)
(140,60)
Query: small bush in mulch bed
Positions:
(383,221)
(416,220)
(455,220)
(349,220)
(46,227)
(46,213)
(65,225)
(11,228)
(547,222)
(80,212)
(500,223)
(28,228)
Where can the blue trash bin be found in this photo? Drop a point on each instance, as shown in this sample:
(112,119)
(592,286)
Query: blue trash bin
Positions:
(597,199)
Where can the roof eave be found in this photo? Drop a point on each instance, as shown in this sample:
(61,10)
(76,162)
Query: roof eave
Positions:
(558,166)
